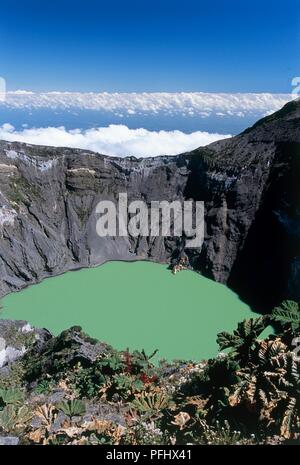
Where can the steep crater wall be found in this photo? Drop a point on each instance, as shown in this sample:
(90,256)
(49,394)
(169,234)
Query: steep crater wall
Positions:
(249,185)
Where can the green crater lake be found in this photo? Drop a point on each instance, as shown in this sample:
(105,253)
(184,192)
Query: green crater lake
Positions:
(139,305)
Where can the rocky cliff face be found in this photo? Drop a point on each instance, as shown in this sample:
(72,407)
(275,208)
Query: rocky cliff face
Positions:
(252,209)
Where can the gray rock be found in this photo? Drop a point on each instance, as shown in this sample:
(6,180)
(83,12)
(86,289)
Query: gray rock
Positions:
(16,337)
(56,397)
(58,422)
(9,441)
(104,411)
(62,352)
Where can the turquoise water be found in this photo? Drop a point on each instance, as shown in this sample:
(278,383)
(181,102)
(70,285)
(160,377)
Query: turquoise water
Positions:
(139,305)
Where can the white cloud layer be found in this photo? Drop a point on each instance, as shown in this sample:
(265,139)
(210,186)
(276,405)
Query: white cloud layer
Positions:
(184,103)
(115,140)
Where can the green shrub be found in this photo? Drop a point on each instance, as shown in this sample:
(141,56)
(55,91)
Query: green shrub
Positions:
(11,396)
(72,408)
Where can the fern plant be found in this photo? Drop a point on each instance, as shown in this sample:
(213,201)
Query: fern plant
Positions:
(287,314)
(271,388)
(290,416)
(243,339)
(260,386)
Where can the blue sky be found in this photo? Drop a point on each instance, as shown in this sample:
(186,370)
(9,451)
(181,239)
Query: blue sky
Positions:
(126,46)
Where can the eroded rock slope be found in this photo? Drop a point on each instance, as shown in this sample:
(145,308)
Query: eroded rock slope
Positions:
(250,186)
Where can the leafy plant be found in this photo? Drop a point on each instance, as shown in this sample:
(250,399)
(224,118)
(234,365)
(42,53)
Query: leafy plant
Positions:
(72,408)
(111,364)
(290,416)
(151,402)
(12,417)
(242,341)
(287,314)
(87,382)
(126,385)
(47,413)
(220,434)
(259,388)
(11,396)
(44,387)
(15,378)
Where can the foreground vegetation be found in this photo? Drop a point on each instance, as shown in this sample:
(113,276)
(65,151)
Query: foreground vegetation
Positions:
(71,389)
